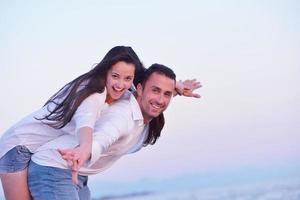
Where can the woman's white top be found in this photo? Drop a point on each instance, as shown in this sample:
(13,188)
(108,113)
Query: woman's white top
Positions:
(33,133)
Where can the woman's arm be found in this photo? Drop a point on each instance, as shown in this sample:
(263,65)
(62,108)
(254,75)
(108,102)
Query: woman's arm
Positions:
(112,126)
(78,156)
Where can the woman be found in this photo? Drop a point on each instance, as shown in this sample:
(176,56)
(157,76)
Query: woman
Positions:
(72,110)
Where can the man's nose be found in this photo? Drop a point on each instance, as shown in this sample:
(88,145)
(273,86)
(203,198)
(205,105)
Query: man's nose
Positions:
(160,99)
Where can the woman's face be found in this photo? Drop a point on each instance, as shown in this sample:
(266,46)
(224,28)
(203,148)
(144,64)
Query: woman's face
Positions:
(119,79)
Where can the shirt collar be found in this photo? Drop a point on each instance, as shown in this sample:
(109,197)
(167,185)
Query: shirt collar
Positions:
(135,107)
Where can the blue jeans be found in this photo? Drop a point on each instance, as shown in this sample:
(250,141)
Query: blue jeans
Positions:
(51,183)
(16,159)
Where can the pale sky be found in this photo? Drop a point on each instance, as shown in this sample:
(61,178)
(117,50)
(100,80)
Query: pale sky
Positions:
(245,53)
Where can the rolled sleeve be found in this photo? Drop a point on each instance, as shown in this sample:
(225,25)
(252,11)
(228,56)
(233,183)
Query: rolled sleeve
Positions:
(96,153)
(108,130)
(88,111)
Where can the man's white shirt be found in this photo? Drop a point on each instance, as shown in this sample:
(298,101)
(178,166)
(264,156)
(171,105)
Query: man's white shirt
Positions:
(120,130)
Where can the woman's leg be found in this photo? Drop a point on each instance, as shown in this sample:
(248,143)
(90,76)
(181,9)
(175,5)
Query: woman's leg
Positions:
(15,185)
(13,173)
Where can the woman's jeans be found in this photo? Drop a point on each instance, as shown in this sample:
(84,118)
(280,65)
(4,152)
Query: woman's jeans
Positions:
(15,160)
(51,183)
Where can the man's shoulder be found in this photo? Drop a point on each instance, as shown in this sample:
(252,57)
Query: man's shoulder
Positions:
(127,100)
(126,96)
(126,106)
(125,110)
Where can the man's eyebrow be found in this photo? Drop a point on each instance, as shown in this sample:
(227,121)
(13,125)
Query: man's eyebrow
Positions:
(155,87)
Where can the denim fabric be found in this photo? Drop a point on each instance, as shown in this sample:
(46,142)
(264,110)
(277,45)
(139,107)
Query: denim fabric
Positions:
(15,160)
(51,183)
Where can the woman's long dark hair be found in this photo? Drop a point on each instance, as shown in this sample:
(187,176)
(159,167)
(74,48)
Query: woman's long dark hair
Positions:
(69,97)
(157,123)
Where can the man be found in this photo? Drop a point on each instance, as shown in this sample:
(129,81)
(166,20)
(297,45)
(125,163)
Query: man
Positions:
(125,127)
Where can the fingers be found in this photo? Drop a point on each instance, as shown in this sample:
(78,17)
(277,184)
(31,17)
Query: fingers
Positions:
(75,172)
(194,87)
(73,162)
(70,161)
(80,163)
(190,94)
(75,165)
(67,156)
(75,177)
(196,95)
(190,81)
(66,152)
(191,84)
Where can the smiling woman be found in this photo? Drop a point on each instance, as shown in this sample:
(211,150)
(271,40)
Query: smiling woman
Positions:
(119,79)
(73,110)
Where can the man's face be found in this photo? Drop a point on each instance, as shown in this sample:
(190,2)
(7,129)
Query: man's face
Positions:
(156,95)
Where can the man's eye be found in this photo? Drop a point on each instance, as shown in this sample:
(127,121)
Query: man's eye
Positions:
(168,94)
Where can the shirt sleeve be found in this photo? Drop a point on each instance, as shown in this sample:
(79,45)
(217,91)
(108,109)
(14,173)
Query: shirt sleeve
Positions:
(108,130)
(88,111)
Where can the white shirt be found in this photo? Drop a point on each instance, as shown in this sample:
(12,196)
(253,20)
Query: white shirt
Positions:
(33,133)
(119,131)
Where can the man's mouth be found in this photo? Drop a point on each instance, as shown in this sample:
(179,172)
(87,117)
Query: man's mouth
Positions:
(156,106)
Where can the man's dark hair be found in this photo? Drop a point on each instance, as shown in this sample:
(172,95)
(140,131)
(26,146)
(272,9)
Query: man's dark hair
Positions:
(157,123)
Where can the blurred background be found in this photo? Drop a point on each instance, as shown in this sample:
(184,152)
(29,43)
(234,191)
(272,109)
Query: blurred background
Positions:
(242,134)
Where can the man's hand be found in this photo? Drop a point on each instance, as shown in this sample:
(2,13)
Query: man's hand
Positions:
(187,87)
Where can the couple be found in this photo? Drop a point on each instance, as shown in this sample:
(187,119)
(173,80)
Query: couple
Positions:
(90,123)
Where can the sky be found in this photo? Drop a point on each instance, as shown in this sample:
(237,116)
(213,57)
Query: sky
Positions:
(245,54)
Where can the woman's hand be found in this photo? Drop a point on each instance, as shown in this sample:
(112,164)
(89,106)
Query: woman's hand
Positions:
(75,159)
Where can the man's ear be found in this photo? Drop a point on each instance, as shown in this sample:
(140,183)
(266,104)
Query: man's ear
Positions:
(139,89)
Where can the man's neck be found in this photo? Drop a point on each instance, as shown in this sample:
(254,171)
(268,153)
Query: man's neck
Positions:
(146,119)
